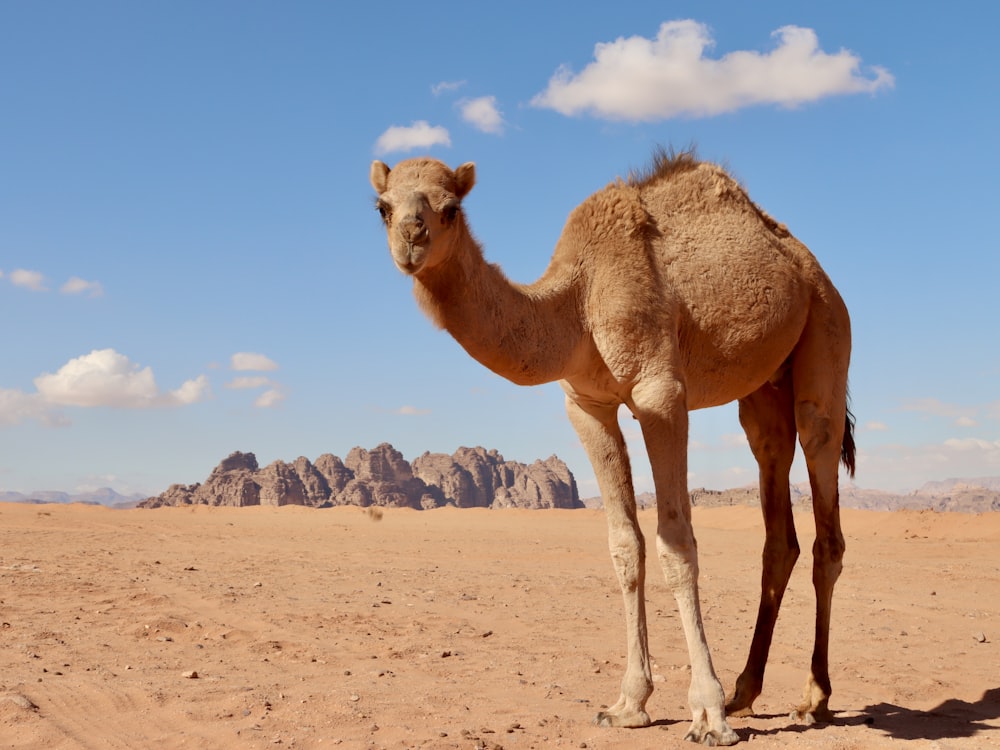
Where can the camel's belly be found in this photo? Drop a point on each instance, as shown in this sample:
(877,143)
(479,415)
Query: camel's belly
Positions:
(742,301)
(731,344)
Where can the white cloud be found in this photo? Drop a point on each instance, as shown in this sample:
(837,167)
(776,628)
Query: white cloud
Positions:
(482,113)
(76,285)
(446,87)
(269,398)
(106,378)
(242,361)
(639,79)
(418,135)
(32,280)
(190,392)
(257,381)
(876,426)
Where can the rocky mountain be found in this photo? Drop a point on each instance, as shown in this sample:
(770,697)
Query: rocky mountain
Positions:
(470,478)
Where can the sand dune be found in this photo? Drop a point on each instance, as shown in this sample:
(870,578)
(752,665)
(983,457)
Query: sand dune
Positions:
(291,627)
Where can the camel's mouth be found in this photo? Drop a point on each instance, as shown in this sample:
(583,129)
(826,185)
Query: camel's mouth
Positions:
(409,268)
(410,258)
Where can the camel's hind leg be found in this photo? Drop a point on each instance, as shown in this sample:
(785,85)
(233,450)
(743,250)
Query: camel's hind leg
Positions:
(819,376)
(768,418)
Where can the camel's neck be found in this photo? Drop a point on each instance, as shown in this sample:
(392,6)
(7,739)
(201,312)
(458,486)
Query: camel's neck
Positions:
(526,333)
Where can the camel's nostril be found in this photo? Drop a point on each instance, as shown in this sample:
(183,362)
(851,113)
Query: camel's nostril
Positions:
(413,230)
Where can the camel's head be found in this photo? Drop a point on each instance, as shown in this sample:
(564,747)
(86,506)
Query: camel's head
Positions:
(420,201)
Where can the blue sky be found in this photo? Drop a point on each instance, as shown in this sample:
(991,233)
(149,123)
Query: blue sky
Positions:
(190,262)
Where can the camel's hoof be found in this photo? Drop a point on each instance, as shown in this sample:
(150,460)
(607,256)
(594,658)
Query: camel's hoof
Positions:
(740,703)
(808,715)
(740,712)
(632,720)
(713,738)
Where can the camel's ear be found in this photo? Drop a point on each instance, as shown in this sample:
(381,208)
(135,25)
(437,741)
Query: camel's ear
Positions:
(379,176)
(465,178)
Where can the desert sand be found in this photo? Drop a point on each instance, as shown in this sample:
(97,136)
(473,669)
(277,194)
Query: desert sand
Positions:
(291,627)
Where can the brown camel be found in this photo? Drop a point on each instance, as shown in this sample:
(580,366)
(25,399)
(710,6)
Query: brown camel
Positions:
(667,292)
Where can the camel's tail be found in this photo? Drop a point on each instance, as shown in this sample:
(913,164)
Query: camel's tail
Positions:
(847,448)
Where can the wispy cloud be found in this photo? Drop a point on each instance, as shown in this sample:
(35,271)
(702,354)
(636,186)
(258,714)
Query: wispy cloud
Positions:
(411,411)
(76,285)
(962,416)
(272,396)
(734,440)
(269,398)
(990,448)
(35,281)
(640,79)
(483,114)
(420,134)
(255,362)
(243,383)
(16,406)
(905,467)
(446,87)
(244,361)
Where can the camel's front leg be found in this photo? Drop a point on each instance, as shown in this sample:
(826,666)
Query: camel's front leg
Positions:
(600,434)
(661,409)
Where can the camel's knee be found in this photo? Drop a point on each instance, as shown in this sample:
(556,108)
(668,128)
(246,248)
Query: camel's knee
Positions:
(830,547)
(679,560)
(828,556)
(629,559)
(818,432)
(780,556)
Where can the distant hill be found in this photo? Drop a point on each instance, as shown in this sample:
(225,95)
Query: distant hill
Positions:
(951,495)
(102,496)
(950,485)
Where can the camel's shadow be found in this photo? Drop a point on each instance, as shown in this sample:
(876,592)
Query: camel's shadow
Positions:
(952,719)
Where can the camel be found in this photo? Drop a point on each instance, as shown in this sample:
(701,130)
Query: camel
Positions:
(667,291)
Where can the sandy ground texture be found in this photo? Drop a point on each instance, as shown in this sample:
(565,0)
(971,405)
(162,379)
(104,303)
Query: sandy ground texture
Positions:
(300,628)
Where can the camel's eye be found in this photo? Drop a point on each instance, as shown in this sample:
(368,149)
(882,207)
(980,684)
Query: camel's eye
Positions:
(450,211)
(384,210)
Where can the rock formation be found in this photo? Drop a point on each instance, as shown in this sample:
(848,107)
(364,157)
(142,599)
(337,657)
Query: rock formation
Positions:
(470,478)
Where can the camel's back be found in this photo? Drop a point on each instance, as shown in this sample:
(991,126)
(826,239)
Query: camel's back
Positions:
(703,217)
(685,250)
